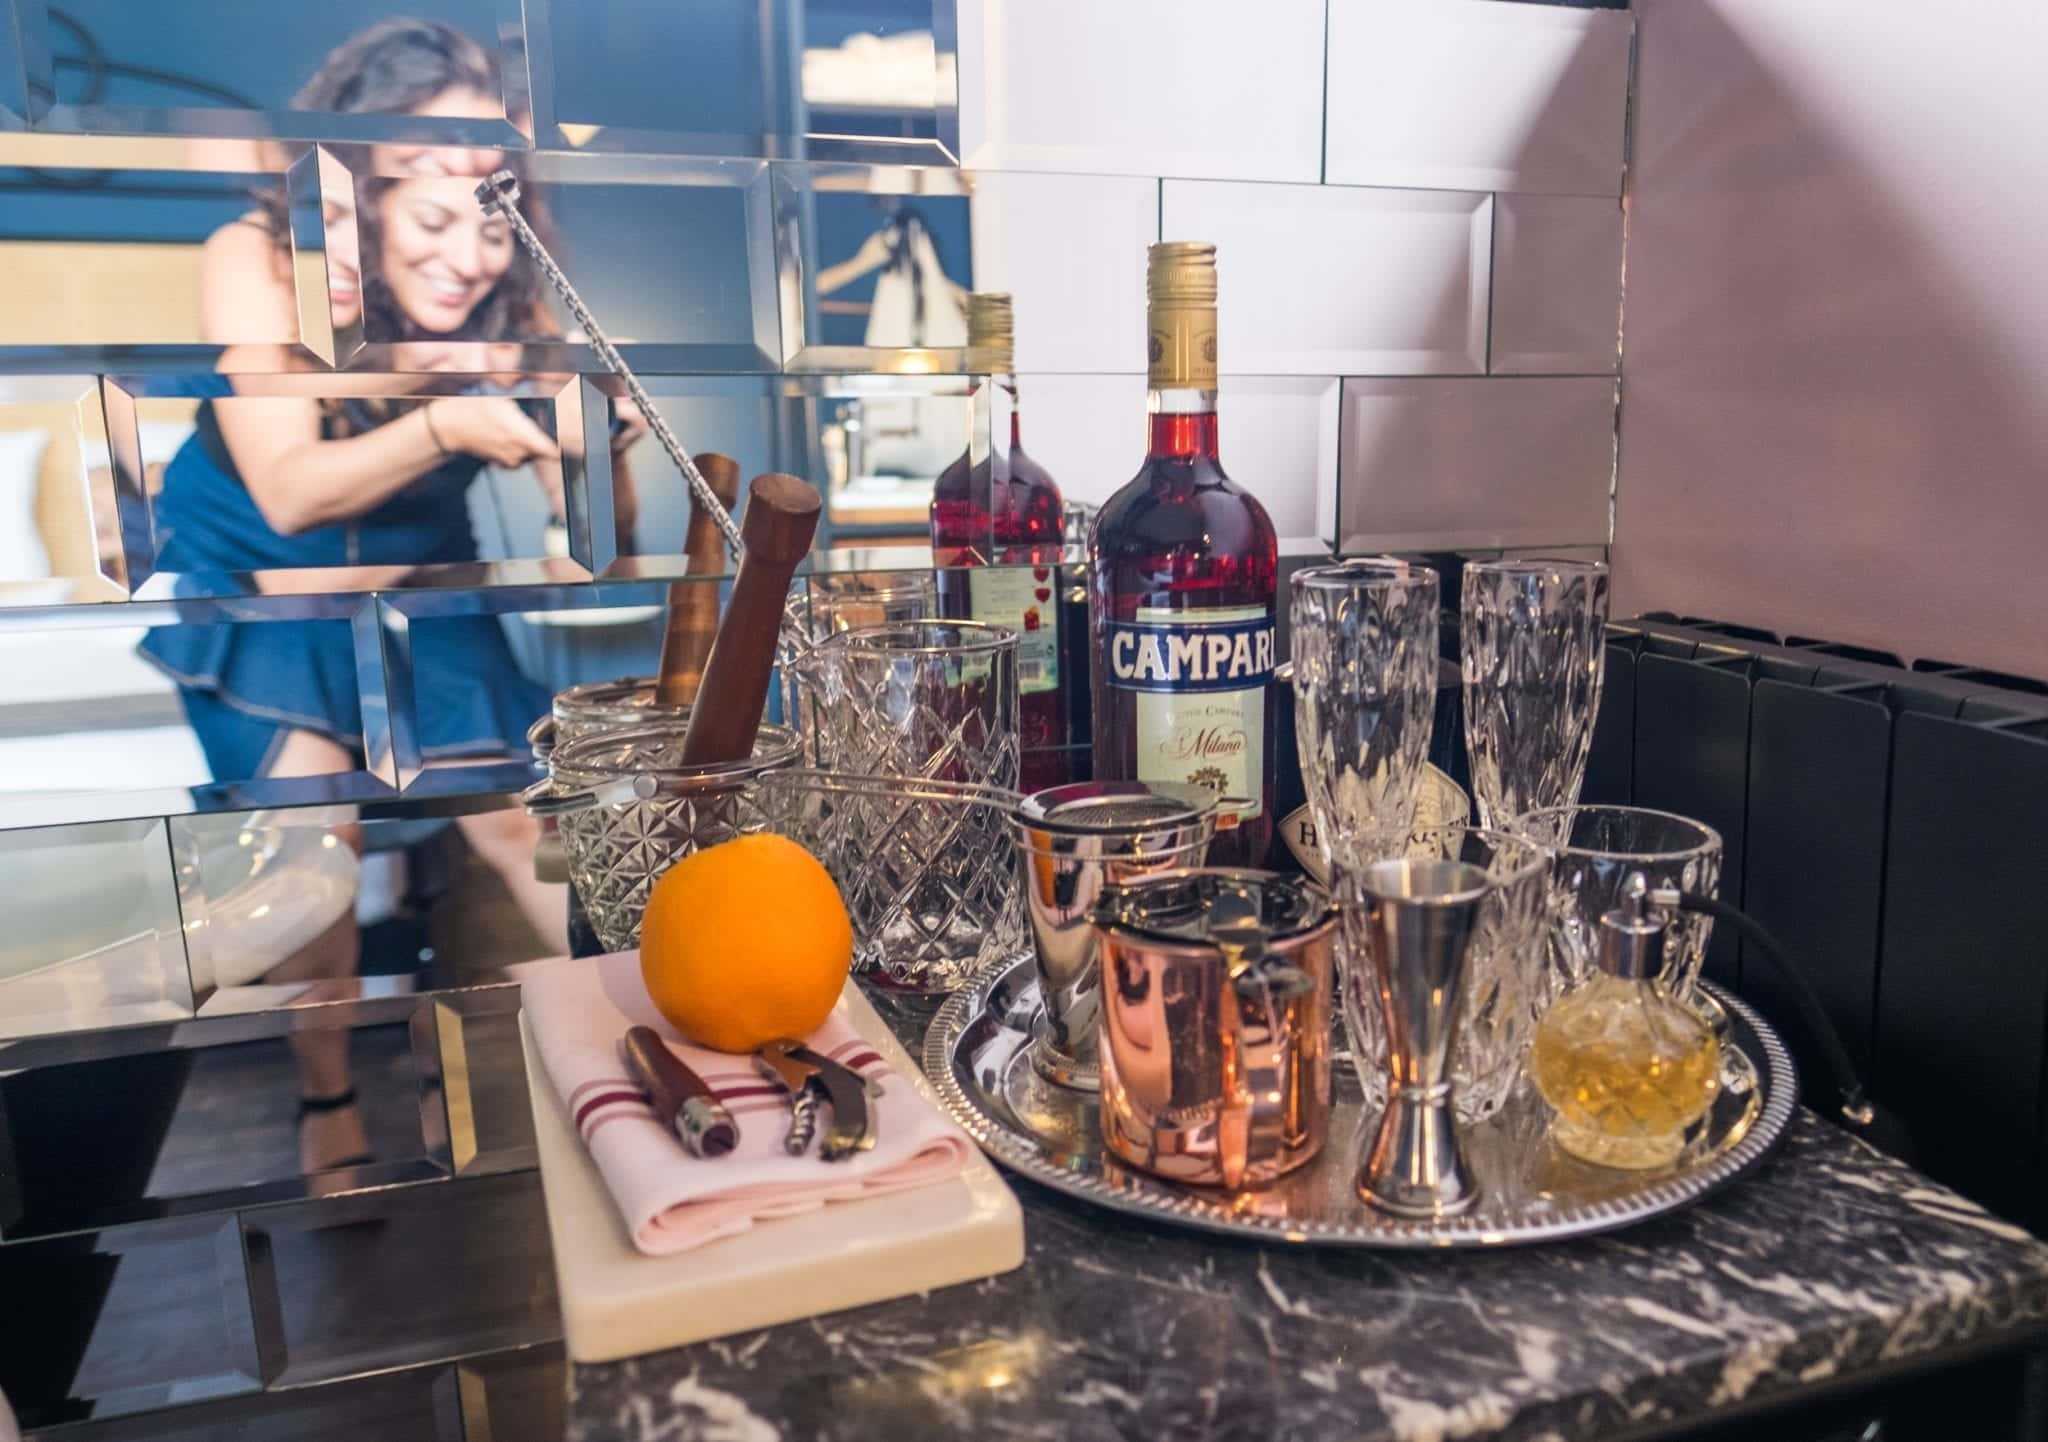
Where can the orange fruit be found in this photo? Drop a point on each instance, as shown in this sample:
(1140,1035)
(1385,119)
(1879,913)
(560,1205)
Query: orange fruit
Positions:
(745,942)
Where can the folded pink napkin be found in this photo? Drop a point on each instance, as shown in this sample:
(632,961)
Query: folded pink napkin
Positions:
(671,1201)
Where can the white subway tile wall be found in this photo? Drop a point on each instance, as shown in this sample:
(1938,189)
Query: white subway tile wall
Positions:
(1088,431)
(1071,251)
(1215,89)
(1280,441)
(1447,462)
(1323,279)
(1279,438)
(1556,284)
(1477,95)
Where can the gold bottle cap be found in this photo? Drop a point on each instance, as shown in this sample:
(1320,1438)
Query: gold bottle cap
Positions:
(1180,291)
(1180,272)
(991,332)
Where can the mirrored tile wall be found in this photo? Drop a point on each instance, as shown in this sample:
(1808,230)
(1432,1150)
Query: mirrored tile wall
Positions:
(223,260)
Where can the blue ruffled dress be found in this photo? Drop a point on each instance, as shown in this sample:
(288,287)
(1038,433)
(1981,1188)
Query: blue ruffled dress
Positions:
(245,684)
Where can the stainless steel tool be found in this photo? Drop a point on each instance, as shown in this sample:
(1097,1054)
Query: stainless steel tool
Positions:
(499,195)
(1419,919)
(810,1078)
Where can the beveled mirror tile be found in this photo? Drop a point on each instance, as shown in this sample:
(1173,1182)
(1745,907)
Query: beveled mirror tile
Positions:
(419,1405)
(270,84)
(203,1128)
(1280,443)
(126,1321)
(1077,291)
(873,267)
(1087,430)
(483,1088)
(93,715)
(454,1269)
(460,697)
(1476,95)
(14,101)
(516,1396)
(338,908)
(107,259)
(615,223)
(91,929)
(42,150)
(873,445)
(814,79)
(211,501)
(1452,462)
(1333,280)
(1556,285)
(876,262)
(54,465)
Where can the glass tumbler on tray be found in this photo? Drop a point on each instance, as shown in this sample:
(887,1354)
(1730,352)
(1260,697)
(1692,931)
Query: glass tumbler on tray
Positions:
(1596,853)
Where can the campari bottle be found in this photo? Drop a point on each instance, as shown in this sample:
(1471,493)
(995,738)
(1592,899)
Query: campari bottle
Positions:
(1001,516)
(1181,569)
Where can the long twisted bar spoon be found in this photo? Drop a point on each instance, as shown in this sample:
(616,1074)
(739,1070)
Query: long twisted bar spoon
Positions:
(499,195)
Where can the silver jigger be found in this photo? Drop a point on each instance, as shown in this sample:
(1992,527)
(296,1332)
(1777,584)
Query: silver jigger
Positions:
(1419,915)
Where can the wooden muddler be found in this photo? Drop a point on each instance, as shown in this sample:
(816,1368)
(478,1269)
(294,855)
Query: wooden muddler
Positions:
(776,531)
(693,605)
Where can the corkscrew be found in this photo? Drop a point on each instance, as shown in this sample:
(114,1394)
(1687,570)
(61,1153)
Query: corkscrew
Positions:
(499,195)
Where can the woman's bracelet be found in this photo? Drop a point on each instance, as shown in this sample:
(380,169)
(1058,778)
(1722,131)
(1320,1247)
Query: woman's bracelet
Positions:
(427,415)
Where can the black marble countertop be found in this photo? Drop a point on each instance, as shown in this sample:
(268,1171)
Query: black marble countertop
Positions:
(1831,1264)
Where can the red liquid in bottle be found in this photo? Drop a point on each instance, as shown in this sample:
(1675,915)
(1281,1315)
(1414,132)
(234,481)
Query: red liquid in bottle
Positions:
(1182,569)
(1011,526)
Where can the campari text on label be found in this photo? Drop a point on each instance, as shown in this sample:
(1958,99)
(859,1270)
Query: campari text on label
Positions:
(1229,656)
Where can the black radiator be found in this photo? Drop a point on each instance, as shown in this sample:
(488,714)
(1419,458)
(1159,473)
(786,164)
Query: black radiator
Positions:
(1890,825)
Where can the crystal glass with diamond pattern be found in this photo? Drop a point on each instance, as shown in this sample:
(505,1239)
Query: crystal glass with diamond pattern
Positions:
(816,610)
(926,868)
(629,809)
(929,876)
(1365,666)
(1596,851)
(929,700)
(1534,652)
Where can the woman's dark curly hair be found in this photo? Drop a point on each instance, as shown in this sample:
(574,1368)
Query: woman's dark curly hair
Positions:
(396,67)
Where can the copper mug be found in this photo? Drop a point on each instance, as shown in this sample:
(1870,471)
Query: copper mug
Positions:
(1215,1032)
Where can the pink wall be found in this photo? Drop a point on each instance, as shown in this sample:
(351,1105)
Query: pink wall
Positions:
(1835,402)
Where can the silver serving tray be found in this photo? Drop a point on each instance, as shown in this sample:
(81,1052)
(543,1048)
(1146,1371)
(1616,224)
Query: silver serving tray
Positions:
(976,1056)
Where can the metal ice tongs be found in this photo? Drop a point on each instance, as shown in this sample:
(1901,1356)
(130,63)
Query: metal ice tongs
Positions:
(499,195)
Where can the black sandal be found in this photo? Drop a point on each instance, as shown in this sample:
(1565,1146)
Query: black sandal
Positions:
(312,1106)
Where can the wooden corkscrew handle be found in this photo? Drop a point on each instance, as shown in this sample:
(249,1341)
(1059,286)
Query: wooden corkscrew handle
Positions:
(693,605)
(780,521)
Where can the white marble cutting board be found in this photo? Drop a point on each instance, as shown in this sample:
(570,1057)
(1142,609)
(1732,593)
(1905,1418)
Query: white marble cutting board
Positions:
(618,1303)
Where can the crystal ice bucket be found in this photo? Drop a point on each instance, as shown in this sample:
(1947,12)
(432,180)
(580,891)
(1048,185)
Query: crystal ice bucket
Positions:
(629,809)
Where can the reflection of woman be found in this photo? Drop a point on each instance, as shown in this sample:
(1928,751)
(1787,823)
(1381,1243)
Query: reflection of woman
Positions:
(285,482)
